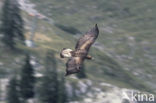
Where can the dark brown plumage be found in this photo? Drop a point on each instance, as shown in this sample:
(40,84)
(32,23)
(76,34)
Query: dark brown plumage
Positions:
(80,53)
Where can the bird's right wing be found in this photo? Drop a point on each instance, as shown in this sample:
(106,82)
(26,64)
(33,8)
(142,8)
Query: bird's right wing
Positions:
(74,65)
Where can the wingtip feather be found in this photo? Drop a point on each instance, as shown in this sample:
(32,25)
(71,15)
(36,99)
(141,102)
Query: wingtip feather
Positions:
(96,28)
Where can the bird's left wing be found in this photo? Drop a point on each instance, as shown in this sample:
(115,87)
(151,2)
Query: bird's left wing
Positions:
(74,65)
(88,39)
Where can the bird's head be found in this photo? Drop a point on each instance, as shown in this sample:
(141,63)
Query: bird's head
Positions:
(66,53)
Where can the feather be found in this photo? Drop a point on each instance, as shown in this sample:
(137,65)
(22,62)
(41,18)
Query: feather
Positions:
(82,47)
(73,65)
(88,39)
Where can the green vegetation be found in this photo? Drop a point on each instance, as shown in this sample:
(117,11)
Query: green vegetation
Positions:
(27,80)
(48,88)
(12,24)
(63,97)
(13,93)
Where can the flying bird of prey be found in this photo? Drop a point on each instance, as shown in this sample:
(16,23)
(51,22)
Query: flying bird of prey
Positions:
(77,56)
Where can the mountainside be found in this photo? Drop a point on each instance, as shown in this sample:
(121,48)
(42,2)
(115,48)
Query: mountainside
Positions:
(125,57)
(127,30)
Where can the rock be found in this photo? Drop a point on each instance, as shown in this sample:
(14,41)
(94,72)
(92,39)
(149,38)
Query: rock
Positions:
(82,86)
(88,100)
(29,43)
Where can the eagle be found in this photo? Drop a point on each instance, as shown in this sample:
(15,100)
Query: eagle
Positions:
(77,56)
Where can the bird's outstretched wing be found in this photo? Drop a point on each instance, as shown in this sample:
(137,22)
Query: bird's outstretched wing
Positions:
(74,65)
(85,42)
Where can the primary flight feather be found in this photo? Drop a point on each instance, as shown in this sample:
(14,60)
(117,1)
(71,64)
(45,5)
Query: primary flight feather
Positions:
(77,56)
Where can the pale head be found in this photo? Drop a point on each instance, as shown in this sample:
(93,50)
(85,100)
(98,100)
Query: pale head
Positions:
(66,53)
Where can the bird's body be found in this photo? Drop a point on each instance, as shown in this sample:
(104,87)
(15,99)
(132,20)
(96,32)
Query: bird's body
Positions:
(79,53)
(77,56)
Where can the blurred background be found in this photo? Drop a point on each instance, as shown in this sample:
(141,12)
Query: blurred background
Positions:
(32,33)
